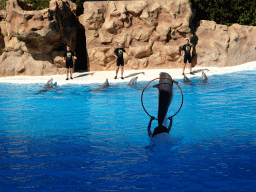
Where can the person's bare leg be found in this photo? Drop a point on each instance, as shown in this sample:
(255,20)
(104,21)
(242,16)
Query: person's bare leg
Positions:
(71,71)
(190,67)
(67,72)
(122,71)
(184,68)
(117,68)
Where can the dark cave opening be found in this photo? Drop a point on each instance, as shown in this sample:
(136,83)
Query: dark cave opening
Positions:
(81,50)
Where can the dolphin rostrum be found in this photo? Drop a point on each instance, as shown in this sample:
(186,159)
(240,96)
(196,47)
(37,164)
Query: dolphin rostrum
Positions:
(103,86)
(204,77)
(48,86)
(165,94)
(133,82)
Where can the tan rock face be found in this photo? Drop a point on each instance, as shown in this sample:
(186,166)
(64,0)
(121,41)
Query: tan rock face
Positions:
(144,28)
(17,64)
(3,30)
(219,45)
(151,31)
(141,51)
(30,39)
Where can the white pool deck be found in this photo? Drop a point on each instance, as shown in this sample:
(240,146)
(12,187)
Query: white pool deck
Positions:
(143,75)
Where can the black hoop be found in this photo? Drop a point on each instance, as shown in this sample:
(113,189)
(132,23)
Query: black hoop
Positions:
(154,80)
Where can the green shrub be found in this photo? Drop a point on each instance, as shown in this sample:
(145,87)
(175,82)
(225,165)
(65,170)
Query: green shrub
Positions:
(3,4)
(38,4)
(79,3)
(43,4)
(226,12)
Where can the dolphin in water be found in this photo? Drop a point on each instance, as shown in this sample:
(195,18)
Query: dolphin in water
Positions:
(133,82)
(204,77)
(103,86)
(48,86)
(187,80)
(165,95)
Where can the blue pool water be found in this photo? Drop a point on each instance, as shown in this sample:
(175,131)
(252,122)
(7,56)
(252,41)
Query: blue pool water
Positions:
(70,139)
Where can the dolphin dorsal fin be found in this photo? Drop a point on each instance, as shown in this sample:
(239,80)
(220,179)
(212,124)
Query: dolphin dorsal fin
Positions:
(204,77)
(185,78)
(133,81)
(106,82)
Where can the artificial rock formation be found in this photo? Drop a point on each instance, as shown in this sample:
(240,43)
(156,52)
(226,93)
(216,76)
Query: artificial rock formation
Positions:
(221,46)
(151,31)
(32,41)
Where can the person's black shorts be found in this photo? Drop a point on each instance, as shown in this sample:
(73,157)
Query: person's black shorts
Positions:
(187,58)
(69,65)
(120,62)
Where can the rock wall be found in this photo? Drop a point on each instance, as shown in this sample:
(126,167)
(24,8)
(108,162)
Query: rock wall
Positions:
(150,31)
(221,46)
(32,41)
(3,30)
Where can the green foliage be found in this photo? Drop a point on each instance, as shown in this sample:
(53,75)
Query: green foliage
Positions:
(3,4)
(38,4)
(80,8)
(226,12)
(43,4)
(79,3)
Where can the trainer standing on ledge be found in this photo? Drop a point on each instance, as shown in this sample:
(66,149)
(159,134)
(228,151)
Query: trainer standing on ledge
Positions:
(69,61)
(186,52)
(119,59)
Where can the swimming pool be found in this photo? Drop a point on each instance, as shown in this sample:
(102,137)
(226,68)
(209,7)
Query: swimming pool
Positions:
(70,139)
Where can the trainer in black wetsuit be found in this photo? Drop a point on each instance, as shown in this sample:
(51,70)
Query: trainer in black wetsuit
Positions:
(68,55)
(187,48)
(118,53)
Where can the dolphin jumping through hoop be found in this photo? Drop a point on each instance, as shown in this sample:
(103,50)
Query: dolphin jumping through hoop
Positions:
(165,95)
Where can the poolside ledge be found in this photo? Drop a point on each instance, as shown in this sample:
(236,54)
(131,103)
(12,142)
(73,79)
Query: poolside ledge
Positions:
(143,75)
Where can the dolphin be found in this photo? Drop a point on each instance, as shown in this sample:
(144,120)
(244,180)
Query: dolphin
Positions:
(103,86)
(187,80)
(133,82)
(48,86)
(165,95)
(204,77)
